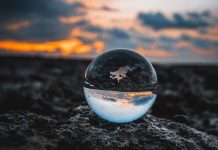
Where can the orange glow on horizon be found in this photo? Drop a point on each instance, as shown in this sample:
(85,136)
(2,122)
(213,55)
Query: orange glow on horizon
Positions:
(66,47)
(132,94)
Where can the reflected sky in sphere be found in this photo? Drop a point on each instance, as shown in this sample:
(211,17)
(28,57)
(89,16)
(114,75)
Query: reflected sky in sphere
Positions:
(117,106)
(120,85)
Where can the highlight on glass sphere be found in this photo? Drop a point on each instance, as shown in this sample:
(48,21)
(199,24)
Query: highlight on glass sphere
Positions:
(120,85)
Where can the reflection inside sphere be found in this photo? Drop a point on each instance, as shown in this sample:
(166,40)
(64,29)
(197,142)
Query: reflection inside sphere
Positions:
(119,106)
(120,85)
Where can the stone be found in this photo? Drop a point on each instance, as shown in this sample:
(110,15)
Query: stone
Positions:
(84,130)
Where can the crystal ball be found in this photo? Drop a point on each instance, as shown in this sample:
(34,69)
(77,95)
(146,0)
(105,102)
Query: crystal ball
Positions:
(120,85)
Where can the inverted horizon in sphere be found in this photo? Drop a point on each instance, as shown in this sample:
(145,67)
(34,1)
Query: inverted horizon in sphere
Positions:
(119,107)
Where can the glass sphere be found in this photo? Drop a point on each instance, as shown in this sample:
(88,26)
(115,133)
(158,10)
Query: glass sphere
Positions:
(120,85)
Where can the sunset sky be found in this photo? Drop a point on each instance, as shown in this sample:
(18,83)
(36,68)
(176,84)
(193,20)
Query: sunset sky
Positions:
(160,30)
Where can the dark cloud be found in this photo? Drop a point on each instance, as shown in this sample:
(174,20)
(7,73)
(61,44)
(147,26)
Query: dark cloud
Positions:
(159,21)
(118,33)
(26,9)
(169,43)
(195,15)
(166,39)
(42,15)
(147,40)
(114,32)
(92,28)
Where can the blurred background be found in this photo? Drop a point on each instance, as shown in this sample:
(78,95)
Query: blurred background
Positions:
(46,46)
(162,31)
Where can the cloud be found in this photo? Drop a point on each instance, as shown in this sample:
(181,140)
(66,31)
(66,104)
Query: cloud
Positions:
(199,15)
(203,44)
(43,29)
(24,9)
(92,28)
(38,21)
(42,17)
(118,33)
(159,21)
(53,27)
(63,27)
(182,46)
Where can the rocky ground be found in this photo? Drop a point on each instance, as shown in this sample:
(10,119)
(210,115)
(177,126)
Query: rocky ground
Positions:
(42,107)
